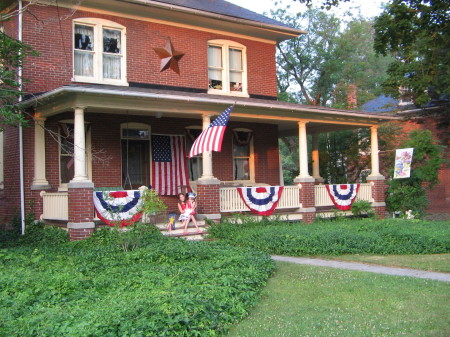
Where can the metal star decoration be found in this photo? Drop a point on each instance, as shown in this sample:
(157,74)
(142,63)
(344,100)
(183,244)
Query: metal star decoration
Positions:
(169,57)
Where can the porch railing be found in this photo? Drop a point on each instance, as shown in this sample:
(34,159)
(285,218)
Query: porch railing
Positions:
(323,199)
(55,206)
(230,201)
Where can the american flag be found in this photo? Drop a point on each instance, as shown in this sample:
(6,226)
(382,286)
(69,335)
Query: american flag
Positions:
(169,169)
(211,138)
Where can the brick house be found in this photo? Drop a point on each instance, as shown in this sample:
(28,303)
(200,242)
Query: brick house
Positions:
(433,117)
(98,92)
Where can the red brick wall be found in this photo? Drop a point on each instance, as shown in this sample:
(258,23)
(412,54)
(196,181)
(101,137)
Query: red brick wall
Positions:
(80,234)
(81,205)
(208,199)
(53,39)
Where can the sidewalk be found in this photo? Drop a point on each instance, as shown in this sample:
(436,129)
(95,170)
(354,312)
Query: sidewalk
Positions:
(444,277)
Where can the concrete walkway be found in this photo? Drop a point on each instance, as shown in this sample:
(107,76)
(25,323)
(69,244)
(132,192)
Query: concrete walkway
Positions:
(445,277)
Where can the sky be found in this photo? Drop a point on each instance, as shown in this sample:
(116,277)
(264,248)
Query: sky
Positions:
(369,8)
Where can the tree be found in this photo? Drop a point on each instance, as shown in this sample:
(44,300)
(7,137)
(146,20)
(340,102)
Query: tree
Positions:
(417,34)
(323,3)
(12,56)
(361,68)
(309,61)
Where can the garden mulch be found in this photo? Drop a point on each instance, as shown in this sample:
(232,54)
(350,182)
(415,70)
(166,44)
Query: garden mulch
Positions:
(444,277)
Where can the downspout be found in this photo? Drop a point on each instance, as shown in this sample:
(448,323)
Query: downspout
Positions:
(22,190)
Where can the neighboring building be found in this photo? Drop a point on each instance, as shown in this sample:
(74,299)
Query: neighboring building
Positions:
(433,117)
(99,92)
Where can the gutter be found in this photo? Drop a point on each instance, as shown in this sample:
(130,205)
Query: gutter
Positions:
(221,17)
(405,113)
(194,99)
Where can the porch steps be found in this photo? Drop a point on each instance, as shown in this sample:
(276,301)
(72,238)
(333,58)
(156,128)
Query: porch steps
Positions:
(179,231)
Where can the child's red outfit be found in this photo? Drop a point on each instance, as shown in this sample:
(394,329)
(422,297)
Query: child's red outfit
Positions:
(191,206)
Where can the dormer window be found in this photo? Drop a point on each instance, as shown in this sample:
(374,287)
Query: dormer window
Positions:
(227,68)
(99,52)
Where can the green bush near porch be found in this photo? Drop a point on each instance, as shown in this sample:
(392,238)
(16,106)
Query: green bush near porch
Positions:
(362,236)
(155,287)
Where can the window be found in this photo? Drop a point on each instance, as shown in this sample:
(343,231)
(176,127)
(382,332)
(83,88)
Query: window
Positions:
(194,164)
(243,154)
(99,53)
(135,155)
(66,151)
(227,68)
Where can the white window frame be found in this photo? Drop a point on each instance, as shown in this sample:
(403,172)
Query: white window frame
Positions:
(198,157)
(63,186)
(251,160)
(226,90)
(98,25)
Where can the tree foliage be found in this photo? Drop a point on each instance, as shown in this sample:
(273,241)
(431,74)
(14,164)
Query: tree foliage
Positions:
(310,60)
(12,55)
(323,3)
(417,34)
(334,56)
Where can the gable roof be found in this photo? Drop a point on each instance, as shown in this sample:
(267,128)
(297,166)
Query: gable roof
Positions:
(224,8)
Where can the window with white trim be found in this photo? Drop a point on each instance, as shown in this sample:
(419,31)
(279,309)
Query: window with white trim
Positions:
(243,163)
(227,68)
(194,164)
(99,51)
(66,152)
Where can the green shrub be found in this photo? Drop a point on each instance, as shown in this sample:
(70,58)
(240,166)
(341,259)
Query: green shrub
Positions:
(362,208)
(391,236)
(37,234)
(163,287)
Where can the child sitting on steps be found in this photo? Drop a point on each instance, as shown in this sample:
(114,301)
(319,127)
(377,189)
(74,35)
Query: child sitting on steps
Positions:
(188,210)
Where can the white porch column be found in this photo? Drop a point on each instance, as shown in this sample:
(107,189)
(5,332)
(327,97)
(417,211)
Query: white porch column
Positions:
(303,152)
(39,180)
(315,158)
(207,174)
(79,151)
(374,152)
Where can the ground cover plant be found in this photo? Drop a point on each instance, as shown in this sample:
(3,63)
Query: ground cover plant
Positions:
(137,283)
(358,236)
(304,300)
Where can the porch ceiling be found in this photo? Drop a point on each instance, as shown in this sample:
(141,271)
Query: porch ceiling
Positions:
(177,104)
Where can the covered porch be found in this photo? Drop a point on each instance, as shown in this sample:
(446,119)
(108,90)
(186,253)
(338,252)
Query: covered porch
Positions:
(98,111)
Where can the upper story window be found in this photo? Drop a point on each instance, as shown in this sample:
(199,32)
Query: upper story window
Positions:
(227,68)
(99,53)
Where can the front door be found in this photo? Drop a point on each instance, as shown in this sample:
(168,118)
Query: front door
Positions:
(135,164)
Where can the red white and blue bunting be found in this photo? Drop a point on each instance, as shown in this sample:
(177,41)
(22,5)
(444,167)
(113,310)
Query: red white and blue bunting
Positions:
(118,207)
(343,195)
(261,200)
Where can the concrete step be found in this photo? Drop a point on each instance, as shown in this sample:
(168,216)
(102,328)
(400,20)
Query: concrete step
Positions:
(178,224)
(178,232)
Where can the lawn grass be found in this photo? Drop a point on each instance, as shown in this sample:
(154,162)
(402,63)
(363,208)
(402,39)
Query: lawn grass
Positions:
(429,262)
(304,300)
